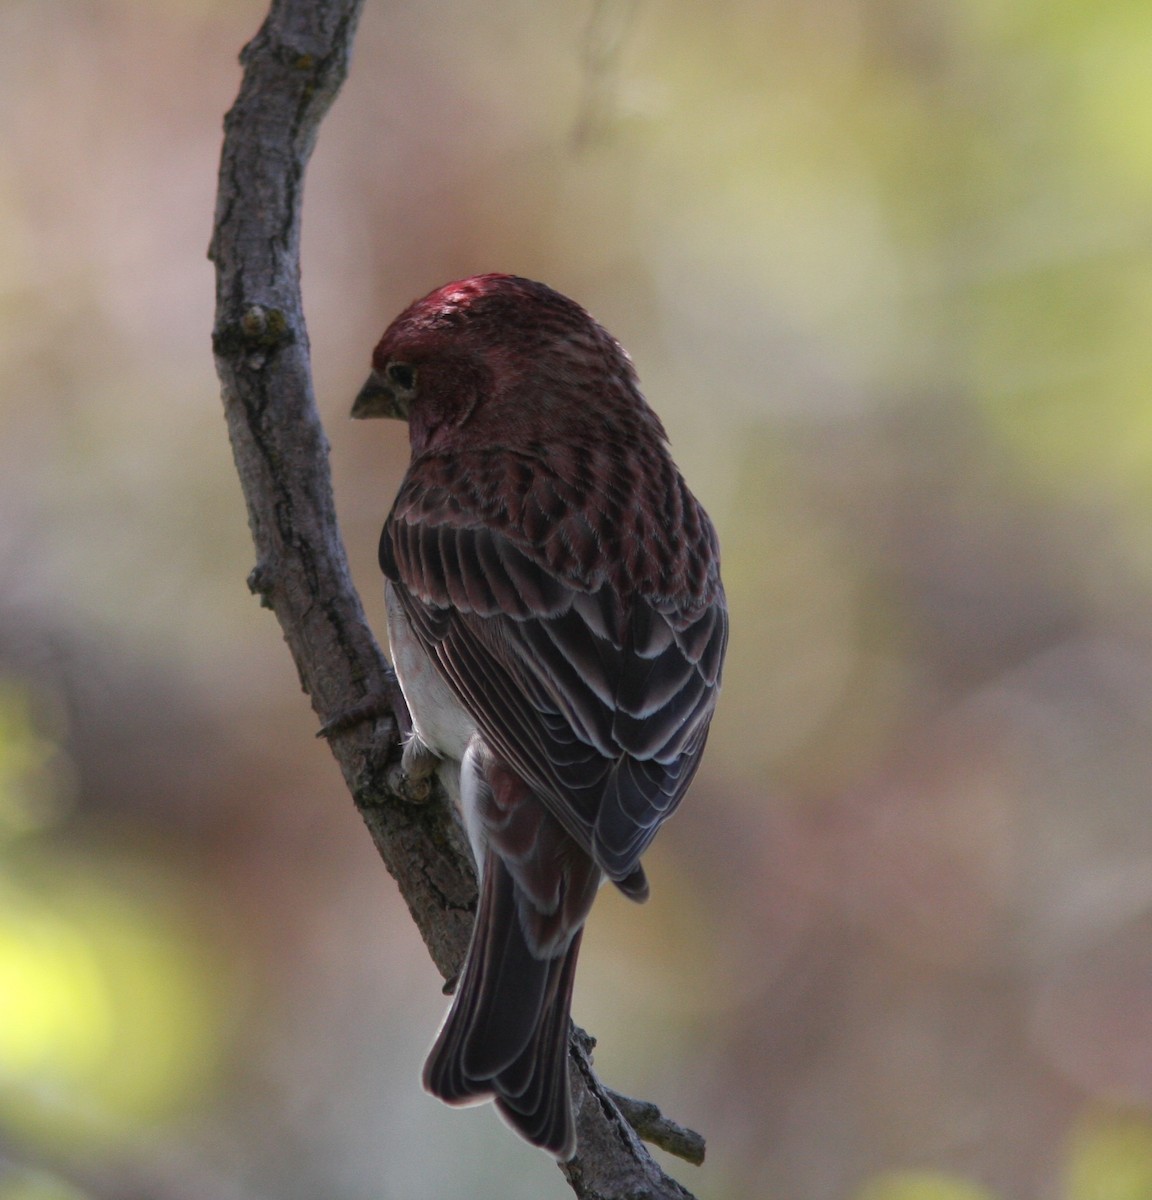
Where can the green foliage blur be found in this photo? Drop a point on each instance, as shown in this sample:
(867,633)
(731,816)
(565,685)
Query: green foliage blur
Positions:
(885,268)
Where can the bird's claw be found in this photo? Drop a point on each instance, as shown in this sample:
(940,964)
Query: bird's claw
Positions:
(418,764)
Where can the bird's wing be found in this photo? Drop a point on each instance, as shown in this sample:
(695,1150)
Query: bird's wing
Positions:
(600,700)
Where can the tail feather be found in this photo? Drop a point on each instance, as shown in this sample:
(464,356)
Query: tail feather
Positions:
(535,1101)
(506,1035)
(508,991)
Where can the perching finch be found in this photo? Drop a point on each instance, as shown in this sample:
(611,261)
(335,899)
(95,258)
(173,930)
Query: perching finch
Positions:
(558,625)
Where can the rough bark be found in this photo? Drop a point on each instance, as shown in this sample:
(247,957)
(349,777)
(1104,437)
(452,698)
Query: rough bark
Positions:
(293,69)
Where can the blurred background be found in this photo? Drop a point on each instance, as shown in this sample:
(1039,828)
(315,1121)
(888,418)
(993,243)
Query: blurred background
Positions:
(885,267)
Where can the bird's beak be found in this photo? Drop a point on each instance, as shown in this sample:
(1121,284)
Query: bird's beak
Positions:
(377,399)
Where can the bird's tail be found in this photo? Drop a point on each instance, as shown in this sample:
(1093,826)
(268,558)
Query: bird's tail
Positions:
(506,1035)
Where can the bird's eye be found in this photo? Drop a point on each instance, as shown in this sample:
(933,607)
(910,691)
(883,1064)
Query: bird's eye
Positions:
(401,375)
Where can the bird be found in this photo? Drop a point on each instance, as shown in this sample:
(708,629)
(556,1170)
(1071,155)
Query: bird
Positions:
(558,626)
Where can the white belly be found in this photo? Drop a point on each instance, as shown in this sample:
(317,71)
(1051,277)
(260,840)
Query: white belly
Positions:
(439,719)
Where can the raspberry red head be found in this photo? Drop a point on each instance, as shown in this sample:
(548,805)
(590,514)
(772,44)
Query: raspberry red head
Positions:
(512,319)
(504,353)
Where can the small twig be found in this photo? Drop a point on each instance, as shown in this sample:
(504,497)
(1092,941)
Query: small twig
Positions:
(610,23)
(658,1130)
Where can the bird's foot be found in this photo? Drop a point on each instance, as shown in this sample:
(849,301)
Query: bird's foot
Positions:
(418,764)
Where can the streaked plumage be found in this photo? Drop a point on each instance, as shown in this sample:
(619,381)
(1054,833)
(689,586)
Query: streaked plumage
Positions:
(558,624)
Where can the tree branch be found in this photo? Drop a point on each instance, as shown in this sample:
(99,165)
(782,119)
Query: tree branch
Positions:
(293,69)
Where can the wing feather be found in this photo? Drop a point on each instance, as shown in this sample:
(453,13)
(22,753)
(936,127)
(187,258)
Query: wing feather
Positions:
(600,702)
